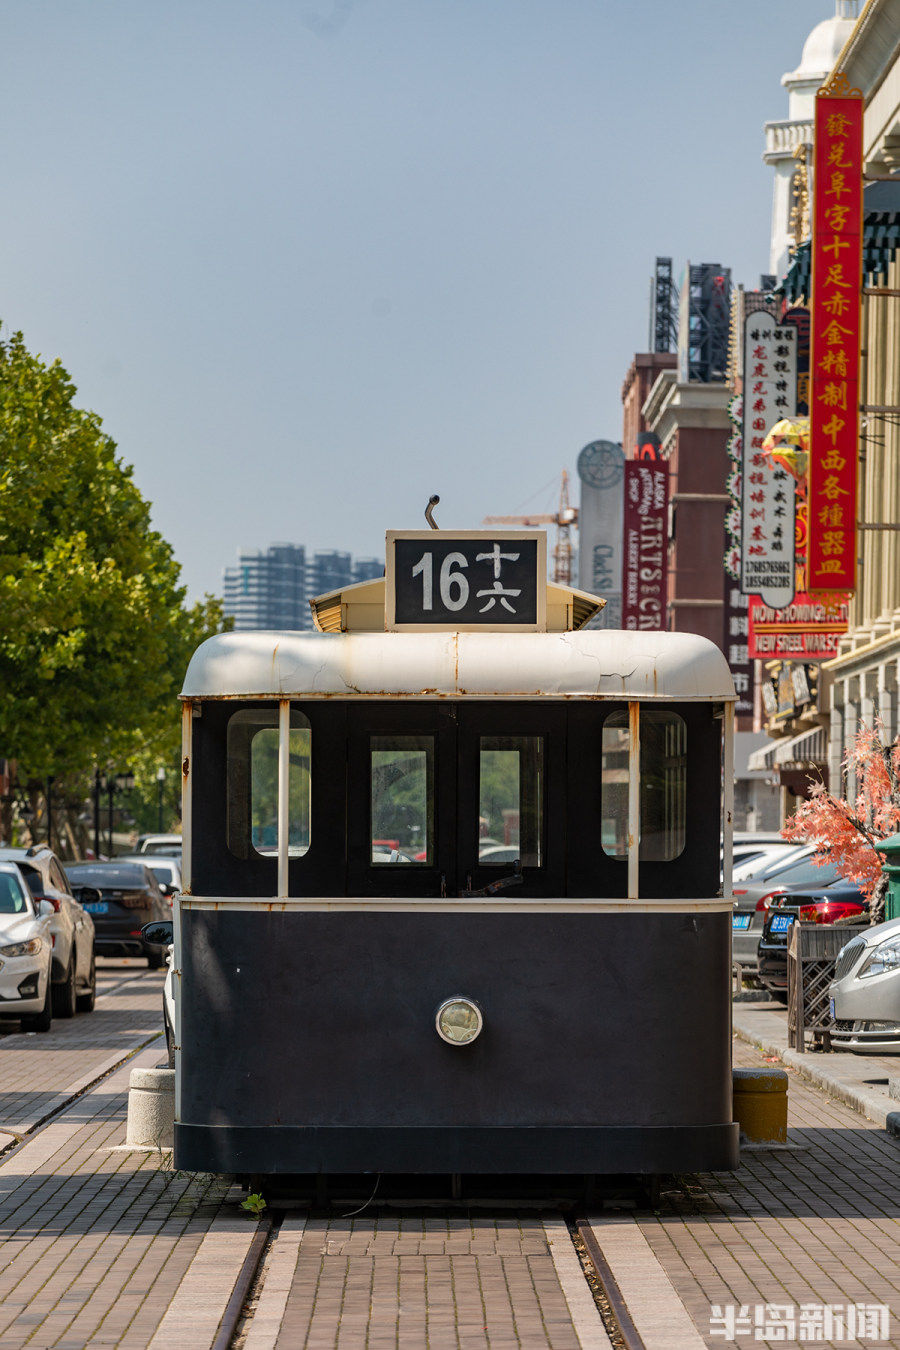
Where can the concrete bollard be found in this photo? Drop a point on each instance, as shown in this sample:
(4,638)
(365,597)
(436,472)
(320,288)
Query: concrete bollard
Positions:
(760,1104)
(151,1108)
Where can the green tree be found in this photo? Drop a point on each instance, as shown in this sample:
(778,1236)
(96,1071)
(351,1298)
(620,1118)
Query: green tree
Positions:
(95,633)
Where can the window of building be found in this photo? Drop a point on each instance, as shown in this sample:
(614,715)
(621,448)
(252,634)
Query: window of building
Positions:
(663,784)
(510,800)
(252,783)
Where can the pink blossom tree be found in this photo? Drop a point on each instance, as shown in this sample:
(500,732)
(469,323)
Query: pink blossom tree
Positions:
(846,834)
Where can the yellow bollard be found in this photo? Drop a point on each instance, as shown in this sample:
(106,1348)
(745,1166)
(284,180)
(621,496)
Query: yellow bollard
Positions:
(760,1104)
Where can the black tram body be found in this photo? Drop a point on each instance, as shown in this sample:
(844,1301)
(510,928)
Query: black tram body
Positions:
(312,953)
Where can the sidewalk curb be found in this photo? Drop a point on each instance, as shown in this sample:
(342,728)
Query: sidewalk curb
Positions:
(872,1105)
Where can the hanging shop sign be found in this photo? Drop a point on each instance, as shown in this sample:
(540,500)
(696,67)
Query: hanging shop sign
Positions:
(835,310)
(808,629)
(768,501)
(645,544)
(736,648)
(466,579)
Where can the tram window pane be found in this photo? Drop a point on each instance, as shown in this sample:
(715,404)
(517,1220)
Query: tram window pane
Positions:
(614,786)
(402,781)
(252,793)
(662,787)
(510,800)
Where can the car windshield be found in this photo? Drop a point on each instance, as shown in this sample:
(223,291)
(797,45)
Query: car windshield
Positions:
(162,871)
(808,873)
(110,875)
(12,895)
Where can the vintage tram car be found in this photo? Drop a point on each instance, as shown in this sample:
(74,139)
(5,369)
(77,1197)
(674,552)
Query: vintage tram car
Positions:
(453,897)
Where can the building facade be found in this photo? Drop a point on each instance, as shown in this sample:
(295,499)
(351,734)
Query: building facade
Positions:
(814,712)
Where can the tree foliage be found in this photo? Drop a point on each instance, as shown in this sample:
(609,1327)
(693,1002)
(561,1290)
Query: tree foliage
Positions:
(94,630)
(844,833)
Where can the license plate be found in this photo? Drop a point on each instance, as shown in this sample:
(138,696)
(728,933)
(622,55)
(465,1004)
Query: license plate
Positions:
(740,920)
(781,923)
(96,907)
(831,1008)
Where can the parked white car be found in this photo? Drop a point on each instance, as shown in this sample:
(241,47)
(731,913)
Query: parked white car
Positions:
(166,870)
(25,947)
(160,932)
(168,844)
(73,970)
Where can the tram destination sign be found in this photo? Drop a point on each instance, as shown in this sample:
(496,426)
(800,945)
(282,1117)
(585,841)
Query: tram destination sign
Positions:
(467,579)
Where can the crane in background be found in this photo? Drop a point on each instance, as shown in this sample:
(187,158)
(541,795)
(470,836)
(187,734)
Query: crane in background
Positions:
(565,520)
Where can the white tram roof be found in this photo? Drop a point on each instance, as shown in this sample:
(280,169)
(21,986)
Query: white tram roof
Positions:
(593,663)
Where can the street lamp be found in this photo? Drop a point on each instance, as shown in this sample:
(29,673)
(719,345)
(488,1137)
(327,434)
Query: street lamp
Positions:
(160,784)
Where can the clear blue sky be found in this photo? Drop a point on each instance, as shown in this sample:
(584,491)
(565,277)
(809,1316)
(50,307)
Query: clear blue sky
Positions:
(312,260)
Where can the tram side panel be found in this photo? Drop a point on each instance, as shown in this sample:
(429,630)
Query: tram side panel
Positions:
(319,1050)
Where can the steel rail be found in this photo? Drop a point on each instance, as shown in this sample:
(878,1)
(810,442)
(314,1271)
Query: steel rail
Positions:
(613,1294)
(231,1317)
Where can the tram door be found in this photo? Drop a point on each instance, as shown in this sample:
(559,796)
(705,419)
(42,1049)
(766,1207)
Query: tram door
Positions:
(450,799)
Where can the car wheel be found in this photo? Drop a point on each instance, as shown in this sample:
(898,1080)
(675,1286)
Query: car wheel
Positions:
(64,993)
(86,1000)
(156,958)
(41,1021)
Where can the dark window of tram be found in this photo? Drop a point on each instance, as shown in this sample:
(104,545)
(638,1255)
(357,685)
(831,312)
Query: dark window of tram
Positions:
(252,778)
(510,794)
(402,787)
(663,778)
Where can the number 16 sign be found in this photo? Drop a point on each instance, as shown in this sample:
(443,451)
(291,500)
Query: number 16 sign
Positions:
(467,579)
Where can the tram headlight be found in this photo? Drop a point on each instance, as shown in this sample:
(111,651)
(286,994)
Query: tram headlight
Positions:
(458,1021)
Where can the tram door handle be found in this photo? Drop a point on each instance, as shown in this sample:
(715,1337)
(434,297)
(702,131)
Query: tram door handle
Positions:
(443,886)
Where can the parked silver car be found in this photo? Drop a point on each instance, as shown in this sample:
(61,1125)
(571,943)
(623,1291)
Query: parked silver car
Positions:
(865,992)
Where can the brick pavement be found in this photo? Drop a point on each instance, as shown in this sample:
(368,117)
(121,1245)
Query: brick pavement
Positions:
(817,1223)
(417,1278)
(38,1072)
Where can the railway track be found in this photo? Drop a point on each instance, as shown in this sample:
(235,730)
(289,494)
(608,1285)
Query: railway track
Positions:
(315,1277)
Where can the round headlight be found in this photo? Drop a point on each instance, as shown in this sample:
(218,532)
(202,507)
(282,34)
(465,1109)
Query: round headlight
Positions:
(458,1021)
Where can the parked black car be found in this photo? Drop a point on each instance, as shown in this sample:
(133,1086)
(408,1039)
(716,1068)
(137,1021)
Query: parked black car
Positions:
(826,904)
(129,898)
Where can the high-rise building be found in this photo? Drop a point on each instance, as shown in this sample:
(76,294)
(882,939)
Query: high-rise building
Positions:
(328,571)
(267,589)
(271,588)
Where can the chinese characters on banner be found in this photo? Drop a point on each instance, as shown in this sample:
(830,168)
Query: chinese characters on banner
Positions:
(645,544)
(835,308)
(767,490)
(737,634)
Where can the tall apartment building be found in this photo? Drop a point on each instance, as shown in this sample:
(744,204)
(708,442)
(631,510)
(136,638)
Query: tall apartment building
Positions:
(271,588)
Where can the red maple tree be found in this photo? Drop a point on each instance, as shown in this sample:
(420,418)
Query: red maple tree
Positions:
(846,834)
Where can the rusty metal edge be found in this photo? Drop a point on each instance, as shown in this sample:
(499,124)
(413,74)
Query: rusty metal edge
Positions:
(628,1331)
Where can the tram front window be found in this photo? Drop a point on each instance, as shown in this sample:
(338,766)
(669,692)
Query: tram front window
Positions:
(510,795)
(402,787)
(663,785)
(252,783)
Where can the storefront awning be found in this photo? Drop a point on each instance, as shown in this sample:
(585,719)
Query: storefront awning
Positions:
(806,750)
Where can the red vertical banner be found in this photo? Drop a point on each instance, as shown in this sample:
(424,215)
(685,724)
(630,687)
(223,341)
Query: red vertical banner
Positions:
(645,544)
(834,358)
